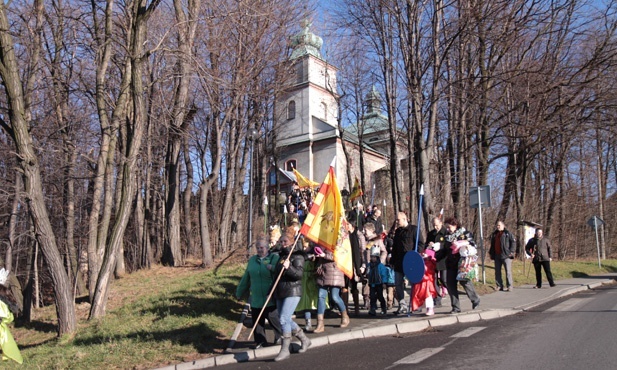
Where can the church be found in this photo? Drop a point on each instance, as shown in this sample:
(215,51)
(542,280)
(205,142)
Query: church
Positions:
(308,135)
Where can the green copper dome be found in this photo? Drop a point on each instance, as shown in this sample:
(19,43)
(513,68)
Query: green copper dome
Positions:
(306,42)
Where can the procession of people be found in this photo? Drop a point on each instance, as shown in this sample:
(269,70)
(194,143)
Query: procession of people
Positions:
(311,284)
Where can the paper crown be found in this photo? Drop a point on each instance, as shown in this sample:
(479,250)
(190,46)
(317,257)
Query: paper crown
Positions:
(4,275)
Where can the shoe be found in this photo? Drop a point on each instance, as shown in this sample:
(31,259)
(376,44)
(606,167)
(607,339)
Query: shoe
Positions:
(475,304)
(430,312)
(260,345)
(552,285)
(509,289)
(537,287)
(501,289)
(455,310)
(384,312)
(372,313)
(402,310)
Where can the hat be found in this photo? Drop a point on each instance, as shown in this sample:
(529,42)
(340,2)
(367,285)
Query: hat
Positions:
(375,251)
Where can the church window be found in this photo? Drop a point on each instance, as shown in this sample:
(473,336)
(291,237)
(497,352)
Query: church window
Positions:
(291,110)
(290,165)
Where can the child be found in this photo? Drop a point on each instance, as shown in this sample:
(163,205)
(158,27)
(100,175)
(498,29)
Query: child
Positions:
(389,285)
(424,292)
(8,307)
(377,276)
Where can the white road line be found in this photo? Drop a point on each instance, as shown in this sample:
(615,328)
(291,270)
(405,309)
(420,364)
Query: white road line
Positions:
(468,332)
(569,304)
(423,354)
(416,358)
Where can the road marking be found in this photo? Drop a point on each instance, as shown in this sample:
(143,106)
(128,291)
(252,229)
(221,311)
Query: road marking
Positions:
(416,358)
(468,332)
(569,304)
(423,354)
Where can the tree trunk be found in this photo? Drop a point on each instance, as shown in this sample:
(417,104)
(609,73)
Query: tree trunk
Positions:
(18,129)
(134,137)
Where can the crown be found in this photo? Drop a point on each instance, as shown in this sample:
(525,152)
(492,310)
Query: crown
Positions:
(4,274)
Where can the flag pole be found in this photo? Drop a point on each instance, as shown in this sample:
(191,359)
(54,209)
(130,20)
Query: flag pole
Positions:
(416,246)
(265,215)
(385,219)
(274,286)
(373,196)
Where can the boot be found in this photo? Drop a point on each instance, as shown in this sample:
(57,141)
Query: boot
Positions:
(306,343)
(390,296)
(344,319)
(320,327)
(284,353)
(308,326)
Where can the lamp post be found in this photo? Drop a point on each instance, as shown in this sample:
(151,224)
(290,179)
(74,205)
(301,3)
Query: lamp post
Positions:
(251,136)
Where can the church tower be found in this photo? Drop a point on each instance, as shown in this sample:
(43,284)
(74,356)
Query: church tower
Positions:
(306,114)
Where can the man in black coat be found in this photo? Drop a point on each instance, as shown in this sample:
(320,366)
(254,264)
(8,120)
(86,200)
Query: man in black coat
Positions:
(503,247)
(404,241)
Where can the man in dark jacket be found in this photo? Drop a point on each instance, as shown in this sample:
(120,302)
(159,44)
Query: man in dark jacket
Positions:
(503,246)
(404,241)
(539,248)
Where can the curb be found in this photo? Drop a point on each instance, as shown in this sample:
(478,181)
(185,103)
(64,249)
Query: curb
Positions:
(379,331)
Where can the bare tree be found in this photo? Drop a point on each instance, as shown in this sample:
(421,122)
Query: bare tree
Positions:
(18,128)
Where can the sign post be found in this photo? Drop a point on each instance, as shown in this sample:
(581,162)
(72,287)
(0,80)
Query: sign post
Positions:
(478,196)
(595,222)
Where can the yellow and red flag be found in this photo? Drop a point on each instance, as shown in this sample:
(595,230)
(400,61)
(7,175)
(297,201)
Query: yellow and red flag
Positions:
(356,191)
(303,182)
(326,224)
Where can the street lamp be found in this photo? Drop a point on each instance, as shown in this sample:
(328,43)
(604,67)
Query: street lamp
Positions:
(251,135)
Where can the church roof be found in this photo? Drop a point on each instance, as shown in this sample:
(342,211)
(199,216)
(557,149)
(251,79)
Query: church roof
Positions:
(306,43)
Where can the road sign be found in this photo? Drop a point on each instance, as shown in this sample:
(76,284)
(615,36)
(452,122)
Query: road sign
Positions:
(595,221)
(484,196)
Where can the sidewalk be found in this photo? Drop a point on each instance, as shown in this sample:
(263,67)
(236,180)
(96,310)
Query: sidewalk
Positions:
(492,306)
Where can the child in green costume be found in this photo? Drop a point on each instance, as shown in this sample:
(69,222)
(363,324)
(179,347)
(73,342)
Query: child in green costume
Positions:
(8,307)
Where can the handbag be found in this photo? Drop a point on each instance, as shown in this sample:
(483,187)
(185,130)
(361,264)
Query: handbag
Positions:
(467,268)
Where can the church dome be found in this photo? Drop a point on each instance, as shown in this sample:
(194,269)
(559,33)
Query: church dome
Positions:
(306,42)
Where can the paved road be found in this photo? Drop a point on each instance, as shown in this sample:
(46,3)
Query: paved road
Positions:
(574,332)
(495,307)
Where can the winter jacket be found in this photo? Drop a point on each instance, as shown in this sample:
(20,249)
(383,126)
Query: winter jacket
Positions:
(403,242)
(331,275)
(540,249)
(446,253)
(508,245)
(438,236)
(257,279)
(290,284)
(377,274)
